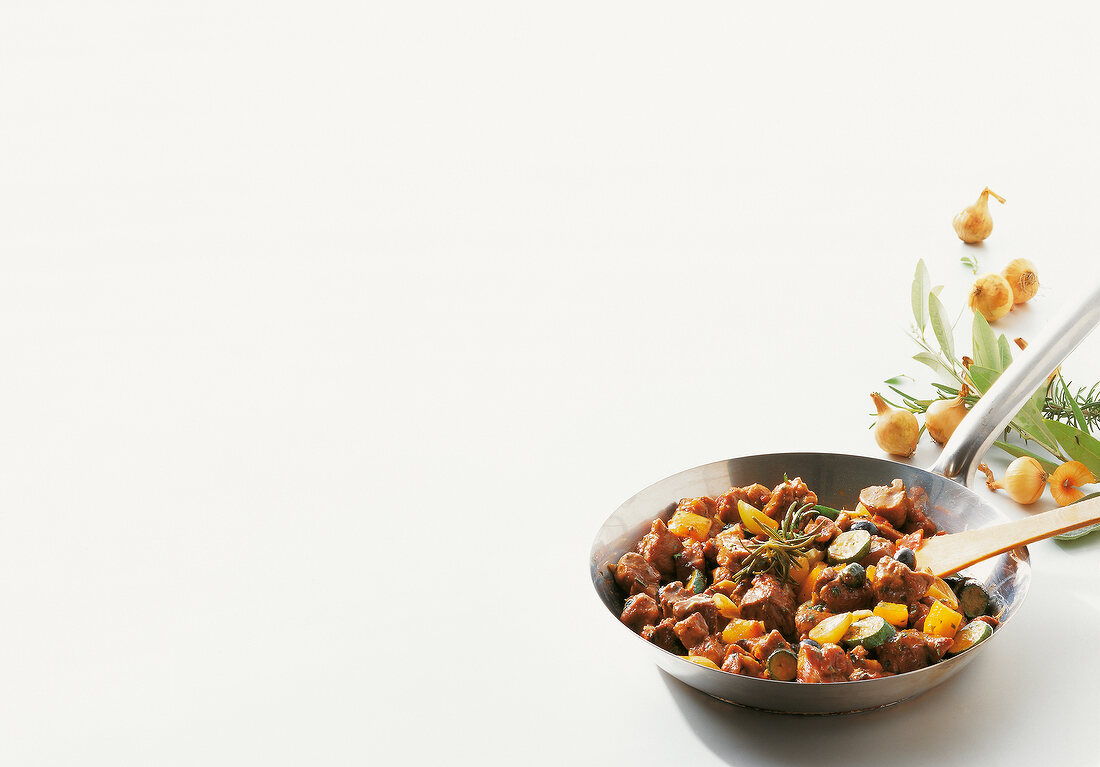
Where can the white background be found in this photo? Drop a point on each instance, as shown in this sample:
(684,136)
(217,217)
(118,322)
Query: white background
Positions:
(332,332)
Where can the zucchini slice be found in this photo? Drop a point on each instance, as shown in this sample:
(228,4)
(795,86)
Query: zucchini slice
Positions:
(869,632)
(783,665)
(851,546)
(973,599)
(970,635)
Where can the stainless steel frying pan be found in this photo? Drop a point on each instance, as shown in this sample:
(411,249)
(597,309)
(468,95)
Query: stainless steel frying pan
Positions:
(837,479)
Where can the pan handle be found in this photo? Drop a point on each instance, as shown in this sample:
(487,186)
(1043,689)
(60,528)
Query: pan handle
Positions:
(993,412)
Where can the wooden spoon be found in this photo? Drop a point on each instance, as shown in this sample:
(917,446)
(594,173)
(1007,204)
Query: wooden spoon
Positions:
(947,554)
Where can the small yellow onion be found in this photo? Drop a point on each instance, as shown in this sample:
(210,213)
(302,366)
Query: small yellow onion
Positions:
(974,223)
(992,296)
(896,431)
(944,416)
(1022,278)
(1065,483)
(1024,480)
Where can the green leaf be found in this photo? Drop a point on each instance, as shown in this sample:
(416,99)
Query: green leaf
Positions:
(937,315)
(1078,445)
(900,379)
(970,262)
(921,281)
(936,290)
(1016,451)
(1005,350)
(1077,414)
(982,377)
(986,352)
(931,361)
(1031,423)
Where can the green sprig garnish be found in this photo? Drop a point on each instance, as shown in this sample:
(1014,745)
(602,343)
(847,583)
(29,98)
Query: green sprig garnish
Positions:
(777,554)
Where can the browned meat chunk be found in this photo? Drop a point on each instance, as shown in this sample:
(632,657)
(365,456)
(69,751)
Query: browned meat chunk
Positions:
(664,636)
(918,612)
(738,661)
(690,560)
(917,520)
(692,630)
(640,611)
(909,650)
(771,602)
(762,647)
(658,547)
(865,666)
(731,551)
(701,604)
(754,495)
(703,507)
(826,530)
(839,598)
(636,576)
(824,664)
(670,595)
(808,616)
(891,502)
(894,582)
(880,547)
(792,491)
(711,649)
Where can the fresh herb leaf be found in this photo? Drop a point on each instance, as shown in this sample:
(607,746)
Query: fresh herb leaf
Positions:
(921,281)
(931,361)
(1074,406)
(1016,451)
(986,352)
(1079,445)
(1005,351)
(970,262)
(937,315)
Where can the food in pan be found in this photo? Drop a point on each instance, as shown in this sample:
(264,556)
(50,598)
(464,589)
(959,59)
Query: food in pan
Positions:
(771,584)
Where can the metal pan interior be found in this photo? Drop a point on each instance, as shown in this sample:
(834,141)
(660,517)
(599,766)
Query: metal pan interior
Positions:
(837,480)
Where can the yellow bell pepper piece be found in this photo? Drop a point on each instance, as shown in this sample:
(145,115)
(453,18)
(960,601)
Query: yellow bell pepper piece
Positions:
(860,511)
(684,524)
(941,591)
(724,587)
(726,606)
(871,575)
(806,592)
(742,629)
(894,613)
(942,621)
(753,520)
(704,662)
(832,629)
(858,615)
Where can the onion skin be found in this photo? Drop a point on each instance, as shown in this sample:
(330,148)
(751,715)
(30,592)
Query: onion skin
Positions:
(992,296)
(1065,483)
(896,431)
(974,223)
(1024,480)
(1022,278)
(943,417)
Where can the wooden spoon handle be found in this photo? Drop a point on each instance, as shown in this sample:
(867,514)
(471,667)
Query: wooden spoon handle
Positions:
(946,554)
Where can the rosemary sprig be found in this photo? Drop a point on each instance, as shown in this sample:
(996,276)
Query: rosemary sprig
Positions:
(1059,408)
(783,546)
